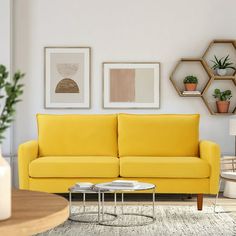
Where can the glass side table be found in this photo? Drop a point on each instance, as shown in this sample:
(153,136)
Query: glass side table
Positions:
(118,189)
(228,163)
(80,216)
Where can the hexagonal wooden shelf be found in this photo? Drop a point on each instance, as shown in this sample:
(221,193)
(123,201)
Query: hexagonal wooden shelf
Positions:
(211,76)
(206,99)
(204,82)
(221,43)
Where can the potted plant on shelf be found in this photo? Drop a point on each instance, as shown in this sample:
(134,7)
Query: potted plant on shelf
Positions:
(190,83)
(223,100)
(221,65)
(9,92)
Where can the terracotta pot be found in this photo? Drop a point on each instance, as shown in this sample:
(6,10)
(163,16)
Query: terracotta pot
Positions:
(190,87)
(222,106)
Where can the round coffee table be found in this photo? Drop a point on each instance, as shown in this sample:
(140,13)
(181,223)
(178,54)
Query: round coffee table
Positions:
(76,215)
(119,189)
(34,212)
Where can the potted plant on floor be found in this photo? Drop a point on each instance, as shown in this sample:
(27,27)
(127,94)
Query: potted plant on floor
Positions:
(223,100)
(221,65)
(9,93)
(190,82)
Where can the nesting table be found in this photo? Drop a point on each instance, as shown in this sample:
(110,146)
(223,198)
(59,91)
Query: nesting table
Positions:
(78,216)
(103,188)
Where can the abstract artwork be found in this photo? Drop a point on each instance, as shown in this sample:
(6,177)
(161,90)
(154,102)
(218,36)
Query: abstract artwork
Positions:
(131,85)
(67,85)
(67,77)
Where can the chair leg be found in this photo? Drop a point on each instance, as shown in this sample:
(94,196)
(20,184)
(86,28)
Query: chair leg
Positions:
(217,196)
(199,201)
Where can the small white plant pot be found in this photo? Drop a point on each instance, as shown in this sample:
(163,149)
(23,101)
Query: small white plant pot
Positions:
(221,72)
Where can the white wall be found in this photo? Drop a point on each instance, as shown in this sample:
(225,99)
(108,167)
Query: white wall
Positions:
(134,30)
(5,56)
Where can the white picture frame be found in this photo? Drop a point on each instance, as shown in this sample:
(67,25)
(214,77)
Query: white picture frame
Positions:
(143,90)
(67,75)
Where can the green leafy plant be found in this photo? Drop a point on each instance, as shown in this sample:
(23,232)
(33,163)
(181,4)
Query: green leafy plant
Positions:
(10,92)
(222,96)
(190,79)
(222,63)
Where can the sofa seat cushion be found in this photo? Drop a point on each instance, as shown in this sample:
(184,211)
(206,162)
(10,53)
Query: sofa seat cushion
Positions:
(72,166)
(164,167)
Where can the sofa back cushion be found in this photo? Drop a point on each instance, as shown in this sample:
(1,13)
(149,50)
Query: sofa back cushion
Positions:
(77,135)
(158,135)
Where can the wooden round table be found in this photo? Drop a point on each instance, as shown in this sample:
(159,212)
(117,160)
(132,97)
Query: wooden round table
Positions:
(34,212)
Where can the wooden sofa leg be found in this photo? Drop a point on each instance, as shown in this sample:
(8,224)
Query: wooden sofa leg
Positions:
(199,201)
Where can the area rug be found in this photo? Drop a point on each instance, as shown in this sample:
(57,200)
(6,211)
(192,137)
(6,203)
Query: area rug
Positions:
(170,220)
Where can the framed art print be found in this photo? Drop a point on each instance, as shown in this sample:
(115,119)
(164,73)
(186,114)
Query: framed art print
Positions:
(131,85)
(67,77)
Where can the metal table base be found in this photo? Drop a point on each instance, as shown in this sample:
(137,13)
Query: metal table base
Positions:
(101,212)
(72,216)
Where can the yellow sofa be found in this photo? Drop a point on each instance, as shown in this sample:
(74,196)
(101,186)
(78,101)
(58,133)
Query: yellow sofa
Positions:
(160,149)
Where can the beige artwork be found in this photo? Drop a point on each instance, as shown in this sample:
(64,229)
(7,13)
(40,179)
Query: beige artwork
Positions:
(122,85)
(67,77)
(67,85)
(132,85)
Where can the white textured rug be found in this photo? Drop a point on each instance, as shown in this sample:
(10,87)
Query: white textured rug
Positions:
(170,220)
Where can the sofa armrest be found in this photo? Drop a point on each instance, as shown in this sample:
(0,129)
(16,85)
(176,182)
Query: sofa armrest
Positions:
(27,152)
(210,152)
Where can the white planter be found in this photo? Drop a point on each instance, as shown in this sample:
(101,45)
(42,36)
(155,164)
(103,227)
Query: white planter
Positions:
(230,189)
(221,72)
(5,189)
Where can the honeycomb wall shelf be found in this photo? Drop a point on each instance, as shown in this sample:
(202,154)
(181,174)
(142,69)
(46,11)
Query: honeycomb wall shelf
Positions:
(205,76)
(224,77)
(221,48)
(210,101)
(208,79)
